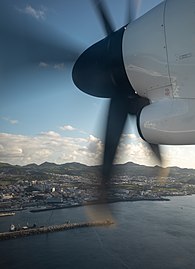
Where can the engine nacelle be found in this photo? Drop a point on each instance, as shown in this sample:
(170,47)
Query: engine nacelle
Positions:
(159,58)
(159,51)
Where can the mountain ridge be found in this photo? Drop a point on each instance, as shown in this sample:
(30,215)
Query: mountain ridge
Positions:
(130,169)
(76,166)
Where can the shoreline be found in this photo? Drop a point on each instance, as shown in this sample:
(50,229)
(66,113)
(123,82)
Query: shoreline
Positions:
(96,203)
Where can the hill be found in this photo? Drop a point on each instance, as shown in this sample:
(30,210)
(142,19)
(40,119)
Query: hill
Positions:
(130,169)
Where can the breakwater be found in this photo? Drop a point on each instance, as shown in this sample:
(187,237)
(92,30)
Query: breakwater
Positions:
(52,228)
(7,214)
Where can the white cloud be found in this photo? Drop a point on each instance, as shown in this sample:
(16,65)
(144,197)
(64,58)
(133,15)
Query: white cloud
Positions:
(67,128)
(38,14)
(11,121)
(138,151)
(43,64)
(134,152)
(57,66)
(182,156)
(50,134)
(95,146)
(71,128)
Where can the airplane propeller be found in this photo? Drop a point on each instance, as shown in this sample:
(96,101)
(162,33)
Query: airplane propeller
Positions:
(100,72)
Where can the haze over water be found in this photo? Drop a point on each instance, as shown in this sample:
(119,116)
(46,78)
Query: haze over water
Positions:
(148,235)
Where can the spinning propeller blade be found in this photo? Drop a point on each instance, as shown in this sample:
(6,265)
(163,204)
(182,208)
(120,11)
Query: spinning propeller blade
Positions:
(123,102)
(104,16)
(98,71)
(26,41)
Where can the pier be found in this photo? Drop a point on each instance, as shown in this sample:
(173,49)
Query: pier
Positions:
(52,228)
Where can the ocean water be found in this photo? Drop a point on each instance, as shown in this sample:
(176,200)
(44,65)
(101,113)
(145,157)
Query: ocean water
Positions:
(148,234)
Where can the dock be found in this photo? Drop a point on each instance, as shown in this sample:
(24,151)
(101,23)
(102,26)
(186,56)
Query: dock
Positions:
(51,229)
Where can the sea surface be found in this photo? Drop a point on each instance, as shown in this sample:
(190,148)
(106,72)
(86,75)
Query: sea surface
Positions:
(147,234)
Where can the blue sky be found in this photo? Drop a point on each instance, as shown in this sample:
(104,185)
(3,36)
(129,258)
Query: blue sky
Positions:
(43,116)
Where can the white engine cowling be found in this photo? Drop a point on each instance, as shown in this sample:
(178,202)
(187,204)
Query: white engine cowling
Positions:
(159,58)
(168,122)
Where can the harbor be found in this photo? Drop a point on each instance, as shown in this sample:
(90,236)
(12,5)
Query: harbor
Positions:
(50,229)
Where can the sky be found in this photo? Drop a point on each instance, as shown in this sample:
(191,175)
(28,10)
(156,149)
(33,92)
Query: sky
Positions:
(43,116)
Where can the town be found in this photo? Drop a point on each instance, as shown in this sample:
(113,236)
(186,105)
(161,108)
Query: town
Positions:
(79,186)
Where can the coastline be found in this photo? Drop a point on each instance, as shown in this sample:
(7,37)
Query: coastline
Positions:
(111,201)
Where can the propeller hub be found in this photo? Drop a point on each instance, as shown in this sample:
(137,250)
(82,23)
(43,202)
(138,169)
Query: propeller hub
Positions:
(100,71)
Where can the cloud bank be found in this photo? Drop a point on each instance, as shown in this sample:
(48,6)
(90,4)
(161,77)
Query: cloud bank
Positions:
(49,146)
(53,147)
